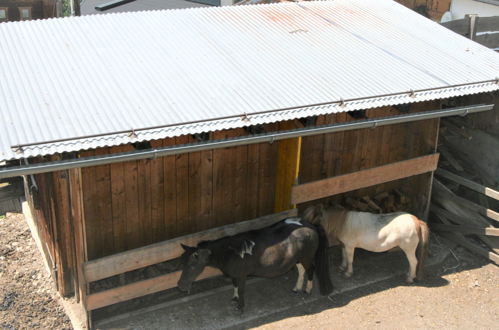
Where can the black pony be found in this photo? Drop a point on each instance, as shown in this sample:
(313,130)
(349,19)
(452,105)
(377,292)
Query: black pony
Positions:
(267,252)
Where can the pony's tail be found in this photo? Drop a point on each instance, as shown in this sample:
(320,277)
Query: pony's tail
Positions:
(322,262)
(423,245)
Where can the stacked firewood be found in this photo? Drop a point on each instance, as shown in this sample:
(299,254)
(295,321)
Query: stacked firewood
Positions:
(465,191)
(383,202)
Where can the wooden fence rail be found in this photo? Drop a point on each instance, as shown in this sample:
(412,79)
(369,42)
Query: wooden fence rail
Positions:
(468,183)
(152,254)
(364,178)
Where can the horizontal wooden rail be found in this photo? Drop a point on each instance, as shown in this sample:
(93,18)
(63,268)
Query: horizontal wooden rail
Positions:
(141,288)
(466,229)
(364,178)
(162,251)
(468,183)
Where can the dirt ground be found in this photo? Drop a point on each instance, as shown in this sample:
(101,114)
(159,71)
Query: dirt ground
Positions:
(27,298)
(459,293)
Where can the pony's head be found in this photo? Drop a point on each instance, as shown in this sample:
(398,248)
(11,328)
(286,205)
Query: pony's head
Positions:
(314,214)
(194,260)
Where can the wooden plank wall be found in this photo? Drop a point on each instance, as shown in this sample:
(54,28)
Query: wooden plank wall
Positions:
(51,210)
(339,153)
(132,204)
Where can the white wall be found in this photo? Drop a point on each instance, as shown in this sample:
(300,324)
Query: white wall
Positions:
(459,8)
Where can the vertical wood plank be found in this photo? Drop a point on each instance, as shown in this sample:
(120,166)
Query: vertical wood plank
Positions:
(206,201)
(64,241)
(78,223)
(89,208)
(157,196)
(194,190)
(103,206)
(240,180)
(267,174)
(118,201)
(144,197)
(252,185)
(133,222)
(223,175)
(182,189)
(170,192)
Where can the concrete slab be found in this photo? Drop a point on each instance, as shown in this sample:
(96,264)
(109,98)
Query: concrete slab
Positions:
(265,297)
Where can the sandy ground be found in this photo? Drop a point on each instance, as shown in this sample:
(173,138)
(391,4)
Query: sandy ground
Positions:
(462,299)
(27,297)
(459,293)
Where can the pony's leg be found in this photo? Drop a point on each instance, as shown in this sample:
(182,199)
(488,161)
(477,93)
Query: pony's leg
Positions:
(349,252)
(299,281)
(413,262)
(235,297)
(240,286)
(310,279)
(343,265)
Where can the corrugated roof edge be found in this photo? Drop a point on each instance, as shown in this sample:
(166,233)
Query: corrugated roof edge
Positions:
(243,121)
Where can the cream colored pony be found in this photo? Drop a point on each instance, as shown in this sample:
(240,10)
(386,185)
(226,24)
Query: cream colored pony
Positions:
(374,232)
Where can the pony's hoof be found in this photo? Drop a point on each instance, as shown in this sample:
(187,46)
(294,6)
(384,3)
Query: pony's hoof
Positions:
(347,274)
(295,290)
(234,299)
(343,268)
(409,280)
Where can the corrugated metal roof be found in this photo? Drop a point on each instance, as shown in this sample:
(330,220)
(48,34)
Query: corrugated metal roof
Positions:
(207,69)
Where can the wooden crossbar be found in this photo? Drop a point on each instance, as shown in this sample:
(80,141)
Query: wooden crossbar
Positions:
(152,254)
(468,183)
(141,288)
(364,178)
(162,251)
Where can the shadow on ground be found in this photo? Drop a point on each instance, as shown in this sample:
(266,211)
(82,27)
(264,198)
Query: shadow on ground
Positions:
(269,300)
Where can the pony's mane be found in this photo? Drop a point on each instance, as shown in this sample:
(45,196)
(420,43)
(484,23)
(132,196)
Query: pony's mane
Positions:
(334,220)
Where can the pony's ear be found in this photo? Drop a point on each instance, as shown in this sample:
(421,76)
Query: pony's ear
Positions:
(308,214)
(319,210)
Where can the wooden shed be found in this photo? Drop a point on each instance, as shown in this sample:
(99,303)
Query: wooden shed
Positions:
(196,124)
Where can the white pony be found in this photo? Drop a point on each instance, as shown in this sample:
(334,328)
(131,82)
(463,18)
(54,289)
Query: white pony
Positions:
(374,232)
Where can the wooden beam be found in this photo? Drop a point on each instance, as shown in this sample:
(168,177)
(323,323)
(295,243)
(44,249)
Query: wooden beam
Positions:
(141,288)
(78,223)
(155,253)
(466,229)
(468,183)
(288,167)
(362,179)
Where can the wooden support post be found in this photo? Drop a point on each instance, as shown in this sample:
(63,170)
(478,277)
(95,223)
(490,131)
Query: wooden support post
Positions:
(288,167)
(78,223)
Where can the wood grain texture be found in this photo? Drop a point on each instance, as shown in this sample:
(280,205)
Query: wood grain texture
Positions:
(141,288)
(288,165)
(162,251)
(364,178)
